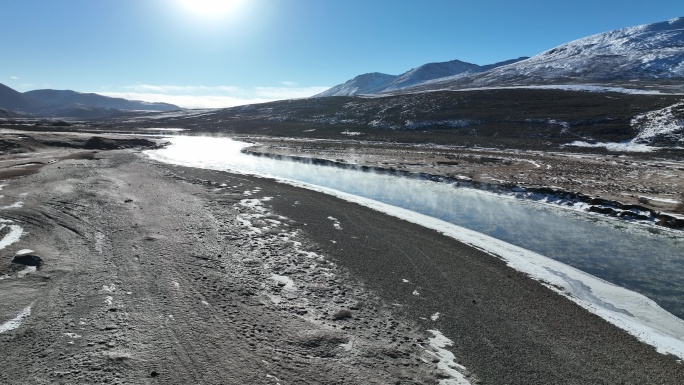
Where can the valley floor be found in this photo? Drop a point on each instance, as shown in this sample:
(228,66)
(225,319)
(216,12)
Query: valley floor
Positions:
(151,273)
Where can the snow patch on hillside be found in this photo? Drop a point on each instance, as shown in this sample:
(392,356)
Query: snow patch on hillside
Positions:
(665,124)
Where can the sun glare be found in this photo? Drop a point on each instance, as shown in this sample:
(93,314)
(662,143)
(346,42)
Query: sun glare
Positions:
(210,8)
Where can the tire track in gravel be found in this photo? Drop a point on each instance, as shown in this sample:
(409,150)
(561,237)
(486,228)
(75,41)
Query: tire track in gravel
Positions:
(151,277)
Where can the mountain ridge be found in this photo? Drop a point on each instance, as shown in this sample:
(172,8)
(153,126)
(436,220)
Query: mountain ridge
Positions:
(68,103)
(648,55)
(377,83)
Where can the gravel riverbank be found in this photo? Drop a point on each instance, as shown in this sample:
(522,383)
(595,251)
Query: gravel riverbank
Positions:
(151,273)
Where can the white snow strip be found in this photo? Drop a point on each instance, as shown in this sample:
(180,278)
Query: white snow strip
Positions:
(109,300)
(664,200)
(13,236)
(16,321)
(109,289)
(27,270)
(611,146)
(274,378)
(416,293)
(289,283)
(336,223)
(447,360)
(72,335)
(535,164)
(15,205)
(435,316)
(23,252)
(99,241)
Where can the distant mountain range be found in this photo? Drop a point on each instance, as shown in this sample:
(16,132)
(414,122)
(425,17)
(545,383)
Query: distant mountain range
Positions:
(70,104)
(645,56)
(377,83)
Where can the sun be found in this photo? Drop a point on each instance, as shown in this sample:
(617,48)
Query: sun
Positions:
(210,9)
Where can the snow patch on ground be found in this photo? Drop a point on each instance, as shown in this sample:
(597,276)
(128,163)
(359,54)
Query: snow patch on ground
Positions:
(13,236)
(663,123)
(15,205)
(24,252)
(617,147)
(435,316)
(27,270)
(447,360)
(664,200)
(592,88)
(99,241)
(336,223)
(109,288)
(285,280)
(351,133)
(15,322)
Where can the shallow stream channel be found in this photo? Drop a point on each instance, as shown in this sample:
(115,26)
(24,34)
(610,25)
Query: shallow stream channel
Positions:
(601,263)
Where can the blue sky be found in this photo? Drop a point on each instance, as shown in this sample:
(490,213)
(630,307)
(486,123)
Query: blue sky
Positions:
(222,53)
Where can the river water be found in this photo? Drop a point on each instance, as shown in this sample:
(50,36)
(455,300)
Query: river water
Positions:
(641,258)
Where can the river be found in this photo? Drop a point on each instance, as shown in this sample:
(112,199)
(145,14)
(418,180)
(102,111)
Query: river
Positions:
(637,257)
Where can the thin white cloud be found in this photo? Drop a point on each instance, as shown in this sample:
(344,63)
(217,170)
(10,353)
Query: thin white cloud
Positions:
(24,87)
(187,101)
(278,93)
(211,97)
(169,89)
(14,77)
(289,83)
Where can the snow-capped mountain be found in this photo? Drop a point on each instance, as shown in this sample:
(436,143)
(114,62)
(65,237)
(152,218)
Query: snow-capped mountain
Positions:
(376,83)
(642,56)
(372,83)
(646,51)
(649,53)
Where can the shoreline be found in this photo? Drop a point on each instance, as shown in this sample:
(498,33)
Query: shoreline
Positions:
(548,195)
(622,307)
(176,238)
(563,177)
